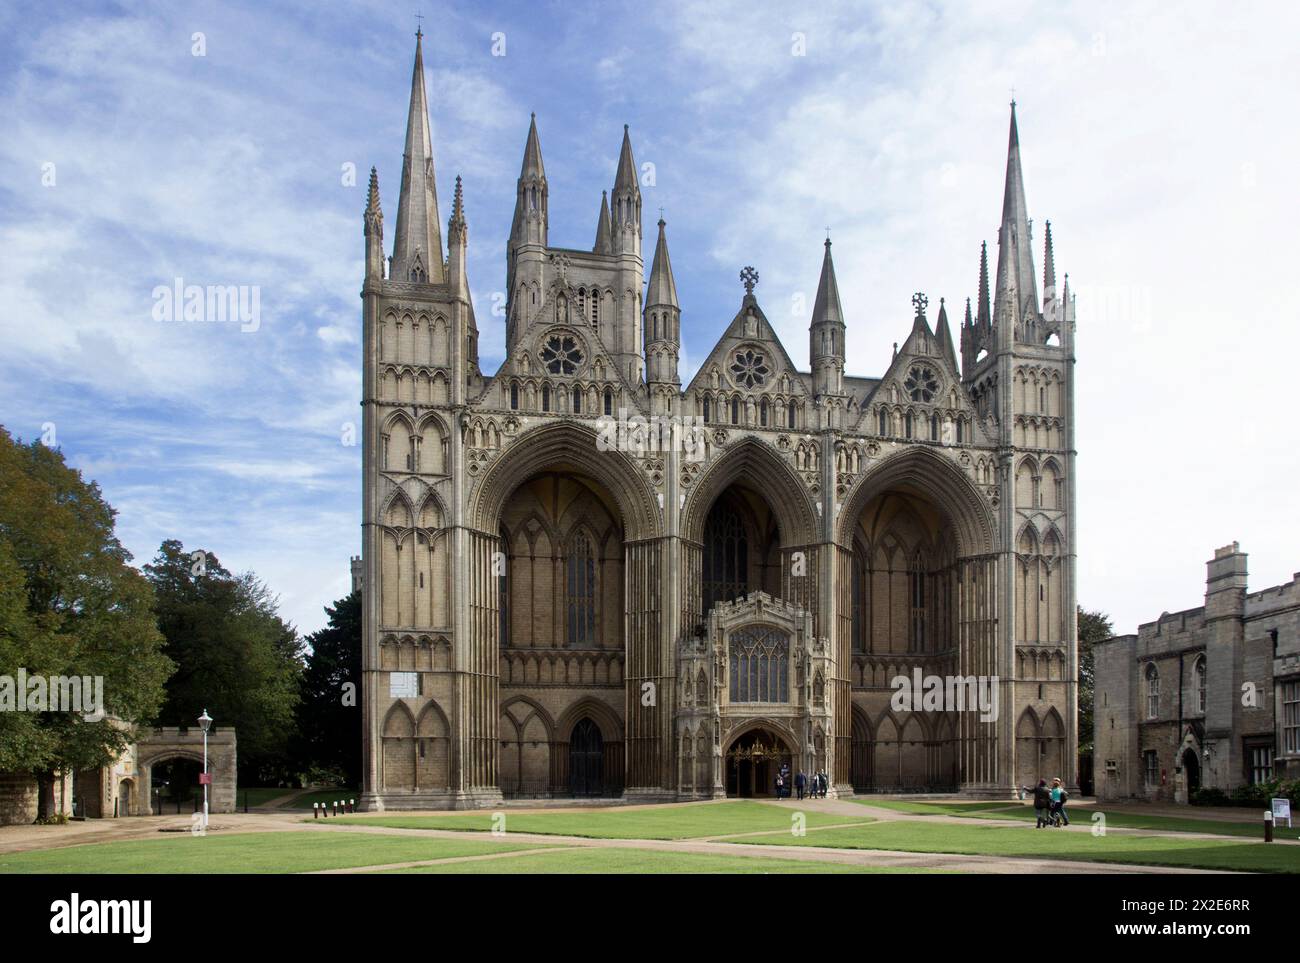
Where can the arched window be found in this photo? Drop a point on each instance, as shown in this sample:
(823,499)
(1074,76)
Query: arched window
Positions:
(735,411)
(595,307)
(960,430)
(581,591)
(762,413)
(791,414)
(1200,684)
(934,427)
(514,396)
(759,663)
(907,425)
(706,408)
(1153,690)
(577,401)
(916,577)
(725,560)
(860,596)
(883,427)
(546,397)
(609,402)
(503,588)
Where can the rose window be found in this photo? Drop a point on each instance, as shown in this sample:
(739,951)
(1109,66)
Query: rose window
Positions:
(749,370)
(561,355)
(921,384)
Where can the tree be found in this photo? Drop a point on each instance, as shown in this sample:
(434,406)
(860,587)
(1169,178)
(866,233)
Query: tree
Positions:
(70,605)
(1094,627)
(329,714)
(234,655)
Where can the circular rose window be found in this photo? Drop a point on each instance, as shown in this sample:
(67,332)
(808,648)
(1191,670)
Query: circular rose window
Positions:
(561,354)
(921,384)
(749,370)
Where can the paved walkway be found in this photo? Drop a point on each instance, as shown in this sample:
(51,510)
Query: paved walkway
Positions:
(24,838)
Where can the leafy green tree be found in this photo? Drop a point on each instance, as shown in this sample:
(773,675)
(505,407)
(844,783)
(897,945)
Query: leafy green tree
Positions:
(329,715)
(70,605)
(234,655)
(1094,627)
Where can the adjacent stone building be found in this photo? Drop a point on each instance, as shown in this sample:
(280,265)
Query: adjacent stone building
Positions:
(550,613)
(1206,697)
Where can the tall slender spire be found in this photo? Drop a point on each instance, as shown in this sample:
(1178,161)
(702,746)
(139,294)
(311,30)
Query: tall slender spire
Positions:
(662,289)
(533,153)
(374,230)
(531,201)
(626,202)
(604,233)
(984,316)
(944,336)
(1049,266)
(417,247)
(1016,292)
(826,307)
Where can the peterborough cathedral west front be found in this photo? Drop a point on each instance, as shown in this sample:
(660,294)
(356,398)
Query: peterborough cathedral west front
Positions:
(547,615)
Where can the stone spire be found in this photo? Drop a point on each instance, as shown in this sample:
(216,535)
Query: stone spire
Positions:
(374,230)
(417,246)
(1049,267)
(531,201)
(984,317)
(944,335)
(1016,293)
(826,333)
(457,243)
(827,305)
(662,289)
(604,233)
(626,202)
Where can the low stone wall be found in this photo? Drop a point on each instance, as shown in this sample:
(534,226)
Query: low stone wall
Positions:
(19,795)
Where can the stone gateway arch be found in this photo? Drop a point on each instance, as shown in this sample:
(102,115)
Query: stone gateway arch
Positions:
(549,614)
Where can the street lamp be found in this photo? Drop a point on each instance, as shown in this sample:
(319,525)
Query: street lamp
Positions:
(205,722)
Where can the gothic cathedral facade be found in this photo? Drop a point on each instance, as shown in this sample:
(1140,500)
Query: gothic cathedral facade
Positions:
(546,615)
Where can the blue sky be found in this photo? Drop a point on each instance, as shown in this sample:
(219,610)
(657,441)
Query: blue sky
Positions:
(1162,149)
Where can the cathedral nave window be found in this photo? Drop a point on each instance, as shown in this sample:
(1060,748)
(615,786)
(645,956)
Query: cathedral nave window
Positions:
(581,588)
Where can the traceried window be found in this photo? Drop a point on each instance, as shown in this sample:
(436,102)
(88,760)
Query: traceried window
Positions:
(1200,684)
(916,578)
(921,383)
(561,355)
(725,560)
(1291,717)
(759,660)
(1153,690)
(749,369)
(581,591)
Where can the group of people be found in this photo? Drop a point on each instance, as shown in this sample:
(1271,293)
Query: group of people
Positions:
(813,786)
(1049,803)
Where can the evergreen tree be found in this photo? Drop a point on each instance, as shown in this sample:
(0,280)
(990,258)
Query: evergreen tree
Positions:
(234,656)
(1094,627)
(329,715)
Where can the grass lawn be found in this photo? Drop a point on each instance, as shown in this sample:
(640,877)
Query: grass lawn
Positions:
(287,852)
(926,837)
(681,821)
(591,860)
(1081,815)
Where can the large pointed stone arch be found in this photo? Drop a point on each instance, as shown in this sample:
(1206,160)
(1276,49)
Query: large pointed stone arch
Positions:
(936,477)
(562,445)
(751,460)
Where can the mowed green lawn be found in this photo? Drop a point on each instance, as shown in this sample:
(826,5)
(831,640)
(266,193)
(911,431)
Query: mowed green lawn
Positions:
(1082,816)
(286,852)
(598,861)
(927,837)
(678,821)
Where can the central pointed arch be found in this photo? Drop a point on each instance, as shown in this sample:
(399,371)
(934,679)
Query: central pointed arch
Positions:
(751,460)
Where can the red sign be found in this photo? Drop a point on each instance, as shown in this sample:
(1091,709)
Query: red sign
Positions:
(205,779)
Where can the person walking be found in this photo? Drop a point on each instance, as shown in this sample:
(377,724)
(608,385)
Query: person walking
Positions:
(1059,798)
(1042,802)
(800,781)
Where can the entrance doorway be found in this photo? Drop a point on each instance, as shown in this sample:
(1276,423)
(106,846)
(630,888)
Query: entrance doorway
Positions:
(586,759)
(123,798)
(753,762)
(1191,771)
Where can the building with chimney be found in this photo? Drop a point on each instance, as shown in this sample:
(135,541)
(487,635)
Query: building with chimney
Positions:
(1208,697)
(554,606)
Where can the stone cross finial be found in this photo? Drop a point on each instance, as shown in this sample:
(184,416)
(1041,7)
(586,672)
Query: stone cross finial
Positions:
(749,277)
(919,301)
